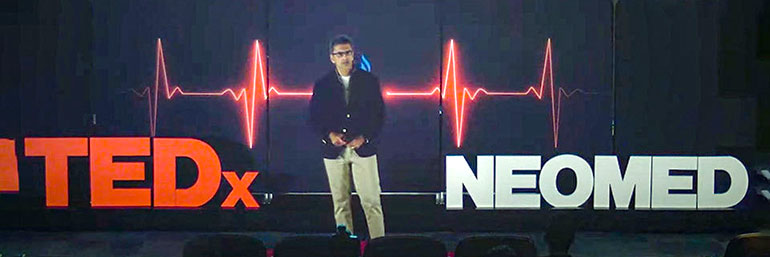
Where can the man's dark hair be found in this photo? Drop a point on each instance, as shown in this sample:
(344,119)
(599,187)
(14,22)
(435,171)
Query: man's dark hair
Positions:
(339,40)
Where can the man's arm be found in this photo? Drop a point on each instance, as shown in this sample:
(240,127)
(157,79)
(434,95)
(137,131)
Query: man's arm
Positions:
(377,118)
(316,121)
(316,112)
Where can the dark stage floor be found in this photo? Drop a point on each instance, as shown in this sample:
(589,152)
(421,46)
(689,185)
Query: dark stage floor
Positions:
(29,244)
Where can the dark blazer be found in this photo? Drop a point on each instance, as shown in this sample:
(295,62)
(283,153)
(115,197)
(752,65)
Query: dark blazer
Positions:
(362,116)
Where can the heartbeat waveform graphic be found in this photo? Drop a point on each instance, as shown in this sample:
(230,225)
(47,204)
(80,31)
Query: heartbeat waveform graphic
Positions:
(458,94)
(256,90)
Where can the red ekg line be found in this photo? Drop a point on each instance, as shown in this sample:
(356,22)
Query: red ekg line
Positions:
(458,93)
(257,90)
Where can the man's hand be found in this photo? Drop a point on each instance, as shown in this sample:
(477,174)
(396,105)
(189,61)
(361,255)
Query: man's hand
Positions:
(357,142)
(337,139)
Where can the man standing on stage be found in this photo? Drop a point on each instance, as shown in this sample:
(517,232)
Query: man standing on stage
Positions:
(347,111)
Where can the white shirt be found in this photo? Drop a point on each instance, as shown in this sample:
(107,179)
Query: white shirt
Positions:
(345,80)
(346,83)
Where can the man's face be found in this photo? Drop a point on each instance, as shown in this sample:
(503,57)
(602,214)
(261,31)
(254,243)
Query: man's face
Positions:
(342,57)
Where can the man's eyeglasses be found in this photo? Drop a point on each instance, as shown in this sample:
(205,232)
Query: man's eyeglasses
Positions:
(343,54)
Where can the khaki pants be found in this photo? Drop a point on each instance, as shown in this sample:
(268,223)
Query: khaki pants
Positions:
(367,183)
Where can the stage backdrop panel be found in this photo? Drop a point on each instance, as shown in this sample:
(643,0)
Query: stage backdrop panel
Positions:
(207,52)
(539,72)
(400,40)
(463,78)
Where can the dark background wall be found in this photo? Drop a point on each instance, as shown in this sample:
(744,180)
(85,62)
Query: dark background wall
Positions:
(676,77)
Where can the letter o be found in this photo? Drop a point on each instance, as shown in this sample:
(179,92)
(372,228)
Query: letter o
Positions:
(583,189)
